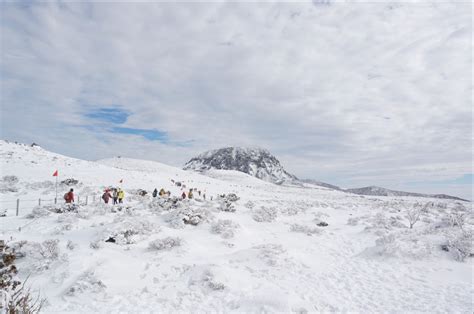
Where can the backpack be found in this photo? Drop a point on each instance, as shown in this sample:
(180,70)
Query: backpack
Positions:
(66,197)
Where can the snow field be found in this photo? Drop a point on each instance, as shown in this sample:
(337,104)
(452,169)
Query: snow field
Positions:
(272,253)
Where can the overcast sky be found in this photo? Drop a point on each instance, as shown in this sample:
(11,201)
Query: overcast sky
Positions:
(354,94)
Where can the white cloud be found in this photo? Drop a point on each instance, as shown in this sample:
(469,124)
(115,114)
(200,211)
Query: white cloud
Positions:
(355,93)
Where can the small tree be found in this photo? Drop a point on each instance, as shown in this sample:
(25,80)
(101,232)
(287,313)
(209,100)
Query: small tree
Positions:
(458,219)
(414,213)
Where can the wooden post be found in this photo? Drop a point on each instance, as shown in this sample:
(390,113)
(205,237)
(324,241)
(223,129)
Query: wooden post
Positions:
(87,198)
(55,200)
(39,202)
(17,206)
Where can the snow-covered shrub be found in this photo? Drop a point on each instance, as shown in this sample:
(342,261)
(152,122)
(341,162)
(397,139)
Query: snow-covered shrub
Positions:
(99,209)
(83,213)
(227,202)
(95,245)
(458,218)
(70,182)
(269,253)
(427,220)
(264,214)
(10,180)
(249,205)
(403,245)
(178,218)
(395,221)
(380,221)
(164,204)
(227,207)
(224,227)
(164,244)
(40,255)
(304,229)
(67,221)
(71,245)
(87,282)
(8,184)
(49,249)
(41,185)
(231,197)
(291,211)
(206,279)
(37,212)
(57,208)
(129,230)
(413,214)
(353,221)
(460,245)
(14,297)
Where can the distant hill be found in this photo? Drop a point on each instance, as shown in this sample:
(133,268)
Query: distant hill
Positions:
(379,191)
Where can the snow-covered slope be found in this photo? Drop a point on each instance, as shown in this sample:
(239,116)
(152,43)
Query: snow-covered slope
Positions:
(379,191)
(273,248)
(253,161)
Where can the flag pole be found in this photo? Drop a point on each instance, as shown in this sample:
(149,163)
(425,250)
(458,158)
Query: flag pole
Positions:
(57,186)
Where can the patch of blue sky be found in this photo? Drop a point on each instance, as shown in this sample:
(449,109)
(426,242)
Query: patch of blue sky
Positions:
(113,115)
(149,134)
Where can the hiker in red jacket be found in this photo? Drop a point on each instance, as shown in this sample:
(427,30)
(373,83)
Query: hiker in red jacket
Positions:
(69,196)
(106,196)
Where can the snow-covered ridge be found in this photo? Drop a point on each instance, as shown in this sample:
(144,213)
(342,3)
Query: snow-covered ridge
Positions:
(256,162)
(379,191)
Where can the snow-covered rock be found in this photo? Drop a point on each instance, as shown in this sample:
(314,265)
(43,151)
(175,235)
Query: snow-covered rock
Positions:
(259,163)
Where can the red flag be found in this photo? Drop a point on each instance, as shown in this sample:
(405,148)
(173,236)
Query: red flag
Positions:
(55,174)
(121,181)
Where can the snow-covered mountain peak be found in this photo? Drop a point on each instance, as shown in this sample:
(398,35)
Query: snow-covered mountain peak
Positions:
(256,162)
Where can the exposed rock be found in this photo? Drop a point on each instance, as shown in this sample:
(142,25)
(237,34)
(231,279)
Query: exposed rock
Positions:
(256,162)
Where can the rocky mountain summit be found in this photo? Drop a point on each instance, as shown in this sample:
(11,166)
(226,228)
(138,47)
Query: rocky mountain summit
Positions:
(256,162)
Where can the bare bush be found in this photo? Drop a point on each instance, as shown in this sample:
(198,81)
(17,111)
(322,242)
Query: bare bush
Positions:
(49,249)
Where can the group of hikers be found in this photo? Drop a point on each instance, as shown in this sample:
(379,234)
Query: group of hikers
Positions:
(117,194)
(184,195)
